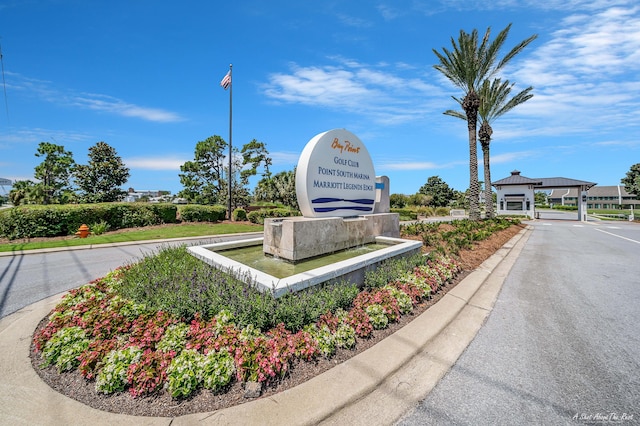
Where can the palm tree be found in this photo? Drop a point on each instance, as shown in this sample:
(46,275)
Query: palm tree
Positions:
(23,192)
(493,104)
(467,65)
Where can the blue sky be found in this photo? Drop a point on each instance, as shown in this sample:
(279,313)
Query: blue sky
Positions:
(143,76)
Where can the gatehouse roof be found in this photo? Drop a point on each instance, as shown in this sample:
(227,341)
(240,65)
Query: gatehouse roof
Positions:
(517,179)
(542,183)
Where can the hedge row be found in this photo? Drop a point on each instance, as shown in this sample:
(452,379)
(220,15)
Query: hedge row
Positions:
(258,216)
(569,208)
(406,214)
(57,220)
(198,213)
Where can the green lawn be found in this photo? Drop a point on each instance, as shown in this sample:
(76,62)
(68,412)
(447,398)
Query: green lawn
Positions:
(153,233)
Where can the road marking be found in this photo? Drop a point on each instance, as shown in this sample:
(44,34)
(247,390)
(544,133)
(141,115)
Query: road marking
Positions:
(613,227)
(619,236)
(579,226)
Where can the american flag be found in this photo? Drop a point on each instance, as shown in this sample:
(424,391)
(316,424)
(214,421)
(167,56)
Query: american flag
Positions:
(226,81)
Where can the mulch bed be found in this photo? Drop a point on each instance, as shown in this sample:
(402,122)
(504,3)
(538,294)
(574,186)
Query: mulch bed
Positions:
(73,385)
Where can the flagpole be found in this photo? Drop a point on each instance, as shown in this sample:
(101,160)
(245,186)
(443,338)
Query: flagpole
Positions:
(230,134)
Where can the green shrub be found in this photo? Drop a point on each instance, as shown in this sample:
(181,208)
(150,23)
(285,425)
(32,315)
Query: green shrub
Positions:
(184,373)
(190,369)
(258,216)
(377,316)
(406,214)
(64,347)
(33,221)
(113,375)
(324,339)
(568,208)
(464,233)
(239,214)
(58,220)
(218,370)
(198,213)
(99,228)
(174,339)
(175,282)
(168,213)
(138,215)
(425,211)
(404,301)
(389,270)
(345,336)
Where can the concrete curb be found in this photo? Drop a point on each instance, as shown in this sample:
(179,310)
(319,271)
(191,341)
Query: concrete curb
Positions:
(460,315)
(375,387)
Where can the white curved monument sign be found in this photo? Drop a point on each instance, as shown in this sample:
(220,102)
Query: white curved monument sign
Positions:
(335,176)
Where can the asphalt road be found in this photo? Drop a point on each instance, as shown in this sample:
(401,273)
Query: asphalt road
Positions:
(562,344)
(28,278)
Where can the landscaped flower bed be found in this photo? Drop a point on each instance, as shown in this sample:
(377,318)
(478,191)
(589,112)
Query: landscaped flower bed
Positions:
(122,345)
(181,338)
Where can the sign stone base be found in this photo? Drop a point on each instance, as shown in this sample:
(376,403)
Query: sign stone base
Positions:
(299,238)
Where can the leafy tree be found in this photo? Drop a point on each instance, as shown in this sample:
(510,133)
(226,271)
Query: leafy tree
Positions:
(540,197)
(100,180)
(493,104)
(54,171)
(22,192)
(254,153)
(467,66)
(631,181)
(441,194)
(461,200)
(281,188)
(398,201)
(420,200)
(203,178)
(240,194)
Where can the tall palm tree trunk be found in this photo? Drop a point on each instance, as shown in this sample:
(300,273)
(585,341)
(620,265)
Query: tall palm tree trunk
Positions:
(470,104)
(488,194)
(485,139)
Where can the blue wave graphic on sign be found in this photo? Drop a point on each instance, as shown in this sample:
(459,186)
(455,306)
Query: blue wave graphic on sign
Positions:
(334,200)
(332,209)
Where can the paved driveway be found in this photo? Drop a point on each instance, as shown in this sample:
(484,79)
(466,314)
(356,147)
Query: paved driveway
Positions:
(562,344)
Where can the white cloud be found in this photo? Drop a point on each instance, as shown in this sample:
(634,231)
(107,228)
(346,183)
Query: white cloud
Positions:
(585,75)
(36,135)
(92,101)
(352,21)
(427,5)
(317,86)
(584,72)
(619,143)
(511,157)
(171,163)
(284,158)
(599,46)
(414,165)
(376,92)
(119,107)
(387,12)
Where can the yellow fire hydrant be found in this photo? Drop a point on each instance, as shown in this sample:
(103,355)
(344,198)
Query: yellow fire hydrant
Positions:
(83,231)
